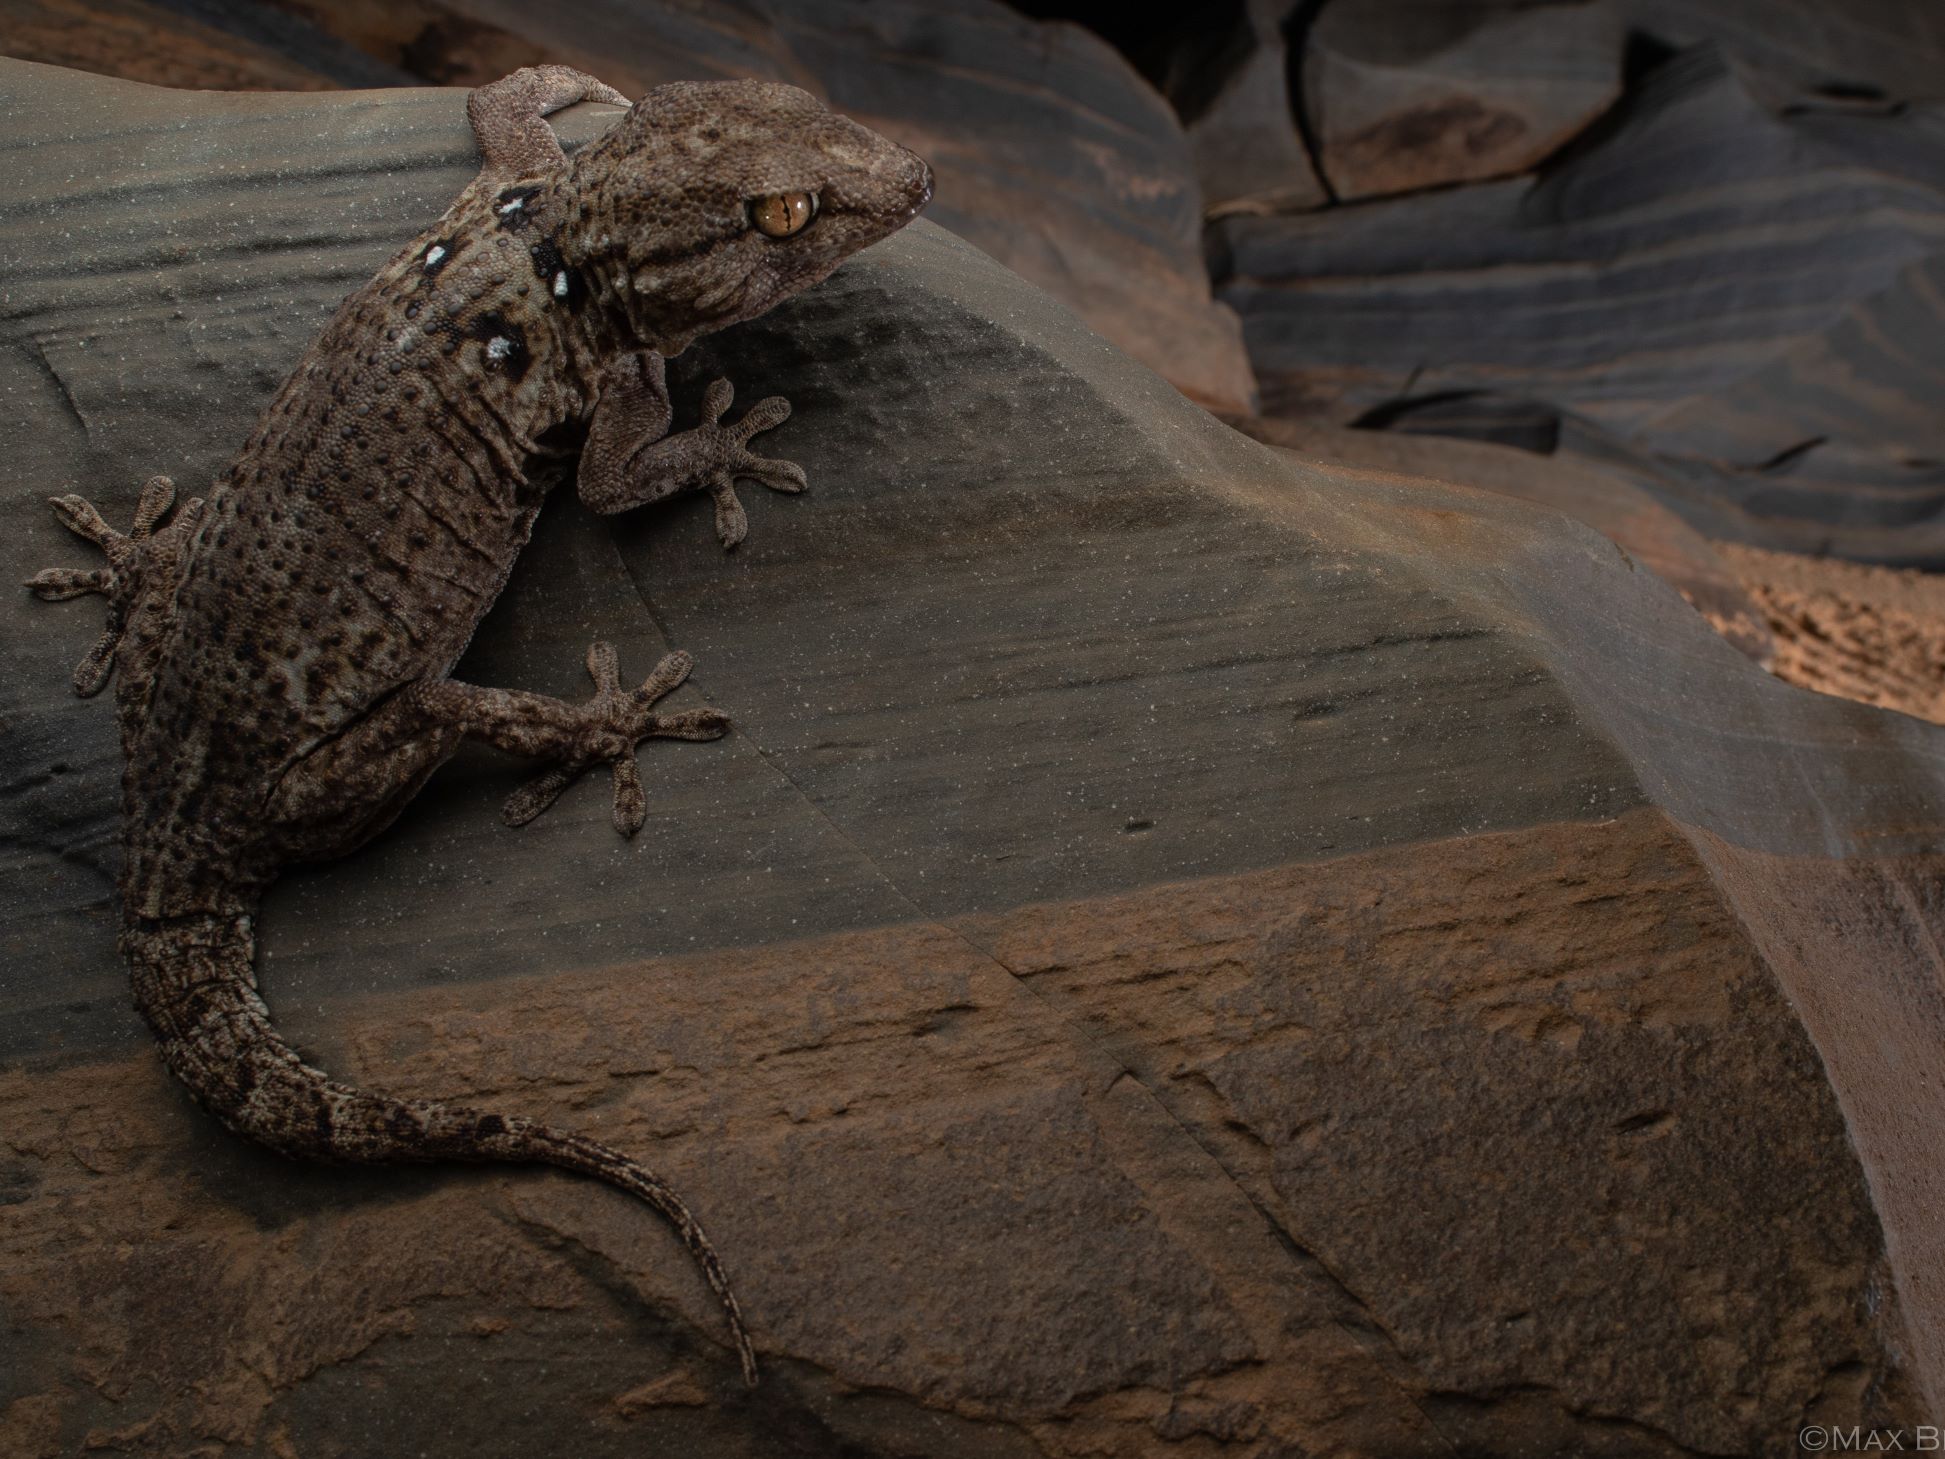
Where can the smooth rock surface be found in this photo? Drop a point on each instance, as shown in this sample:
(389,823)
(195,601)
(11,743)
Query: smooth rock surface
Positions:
(1630,517)
(1753,300)
(1404,95)
(1181,947)
(1793,49)
(1230,85)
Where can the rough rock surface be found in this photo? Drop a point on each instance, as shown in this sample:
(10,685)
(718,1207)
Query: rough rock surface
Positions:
(1403,95)
(1873,634)
(1693,273)
(1183,948)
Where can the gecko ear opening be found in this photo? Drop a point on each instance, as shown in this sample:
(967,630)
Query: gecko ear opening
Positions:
(781,214)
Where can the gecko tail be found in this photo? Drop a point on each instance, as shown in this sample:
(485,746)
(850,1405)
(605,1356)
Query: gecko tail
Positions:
(195,983)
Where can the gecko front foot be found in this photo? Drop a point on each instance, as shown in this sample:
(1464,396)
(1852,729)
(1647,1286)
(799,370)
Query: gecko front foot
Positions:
(613,722)
(630,461)
(118,581)
(719,456)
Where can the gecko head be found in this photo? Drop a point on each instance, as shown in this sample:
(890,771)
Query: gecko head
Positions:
(710,201)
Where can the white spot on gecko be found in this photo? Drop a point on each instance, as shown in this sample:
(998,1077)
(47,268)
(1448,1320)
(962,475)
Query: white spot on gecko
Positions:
(498,347)
(513,207)
(560,284)
(434,254)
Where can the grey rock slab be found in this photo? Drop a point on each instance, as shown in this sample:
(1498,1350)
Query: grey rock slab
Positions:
(1230,84)
(1792,49)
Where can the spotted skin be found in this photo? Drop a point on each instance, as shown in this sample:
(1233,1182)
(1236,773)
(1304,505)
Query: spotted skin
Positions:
(282,647)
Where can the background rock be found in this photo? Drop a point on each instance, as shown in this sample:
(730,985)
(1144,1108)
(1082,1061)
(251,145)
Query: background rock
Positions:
(1183,946)
(1685,280)
(1226,73)
(233,47)
(1404,95)
(1790,49)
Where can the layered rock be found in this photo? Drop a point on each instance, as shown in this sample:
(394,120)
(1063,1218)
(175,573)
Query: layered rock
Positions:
(1182,946)
(1404,95)
(1229,84)
(1689,280)
(1890,50)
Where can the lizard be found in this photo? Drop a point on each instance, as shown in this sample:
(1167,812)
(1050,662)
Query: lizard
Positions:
(282,648)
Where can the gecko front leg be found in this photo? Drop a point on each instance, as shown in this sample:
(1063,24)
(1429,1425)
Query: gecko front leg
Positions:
(630,459)
(509,117)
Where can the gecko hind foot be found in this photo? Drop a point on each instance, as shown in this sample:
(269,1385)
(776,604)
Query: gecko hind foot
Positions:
(615,721)
(113,582)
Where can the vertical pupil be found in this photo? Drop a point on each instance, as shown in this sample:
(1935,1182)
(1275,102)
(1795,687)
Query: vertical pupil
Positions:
(783,213)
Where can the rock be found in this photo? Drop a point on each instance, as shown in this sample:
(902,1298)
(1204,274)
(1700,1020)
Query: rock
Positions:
(1182,946)
(1790,49)
(1230,86)
(1713,285)
(1836,443)
(228,47)
(1410,94)
(1872,634)
(1626,514)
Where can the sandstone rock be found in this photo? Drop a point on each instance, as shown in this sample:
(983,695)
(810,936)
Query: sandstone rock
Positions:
(1410,94)
(1873,634)
(1182,947)
(241,47)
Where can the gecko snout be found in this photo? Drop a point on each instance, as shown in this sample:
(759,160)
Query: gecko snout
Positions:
(922,191)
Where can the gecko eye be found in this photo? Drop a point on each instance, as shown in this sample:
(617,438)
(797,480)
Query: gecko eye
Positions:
(782,214)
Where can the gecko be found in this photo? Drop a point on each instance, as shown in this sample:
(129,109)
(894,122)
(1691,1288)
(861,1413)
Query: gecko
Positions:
(282,647)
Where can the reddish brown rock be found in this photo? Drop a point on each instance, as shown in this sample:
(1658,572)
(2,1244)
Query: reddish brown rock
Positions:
(142,40)
(1873,634)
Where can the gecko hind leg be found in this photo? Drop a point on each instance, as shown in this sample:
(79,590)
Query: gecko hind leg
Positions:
(352,788)
(114,582)
(615,721)
(577,736)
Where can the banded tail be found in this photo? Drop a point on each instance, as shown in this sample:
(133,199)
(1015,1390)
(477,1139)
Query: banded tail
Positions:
(195,983)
